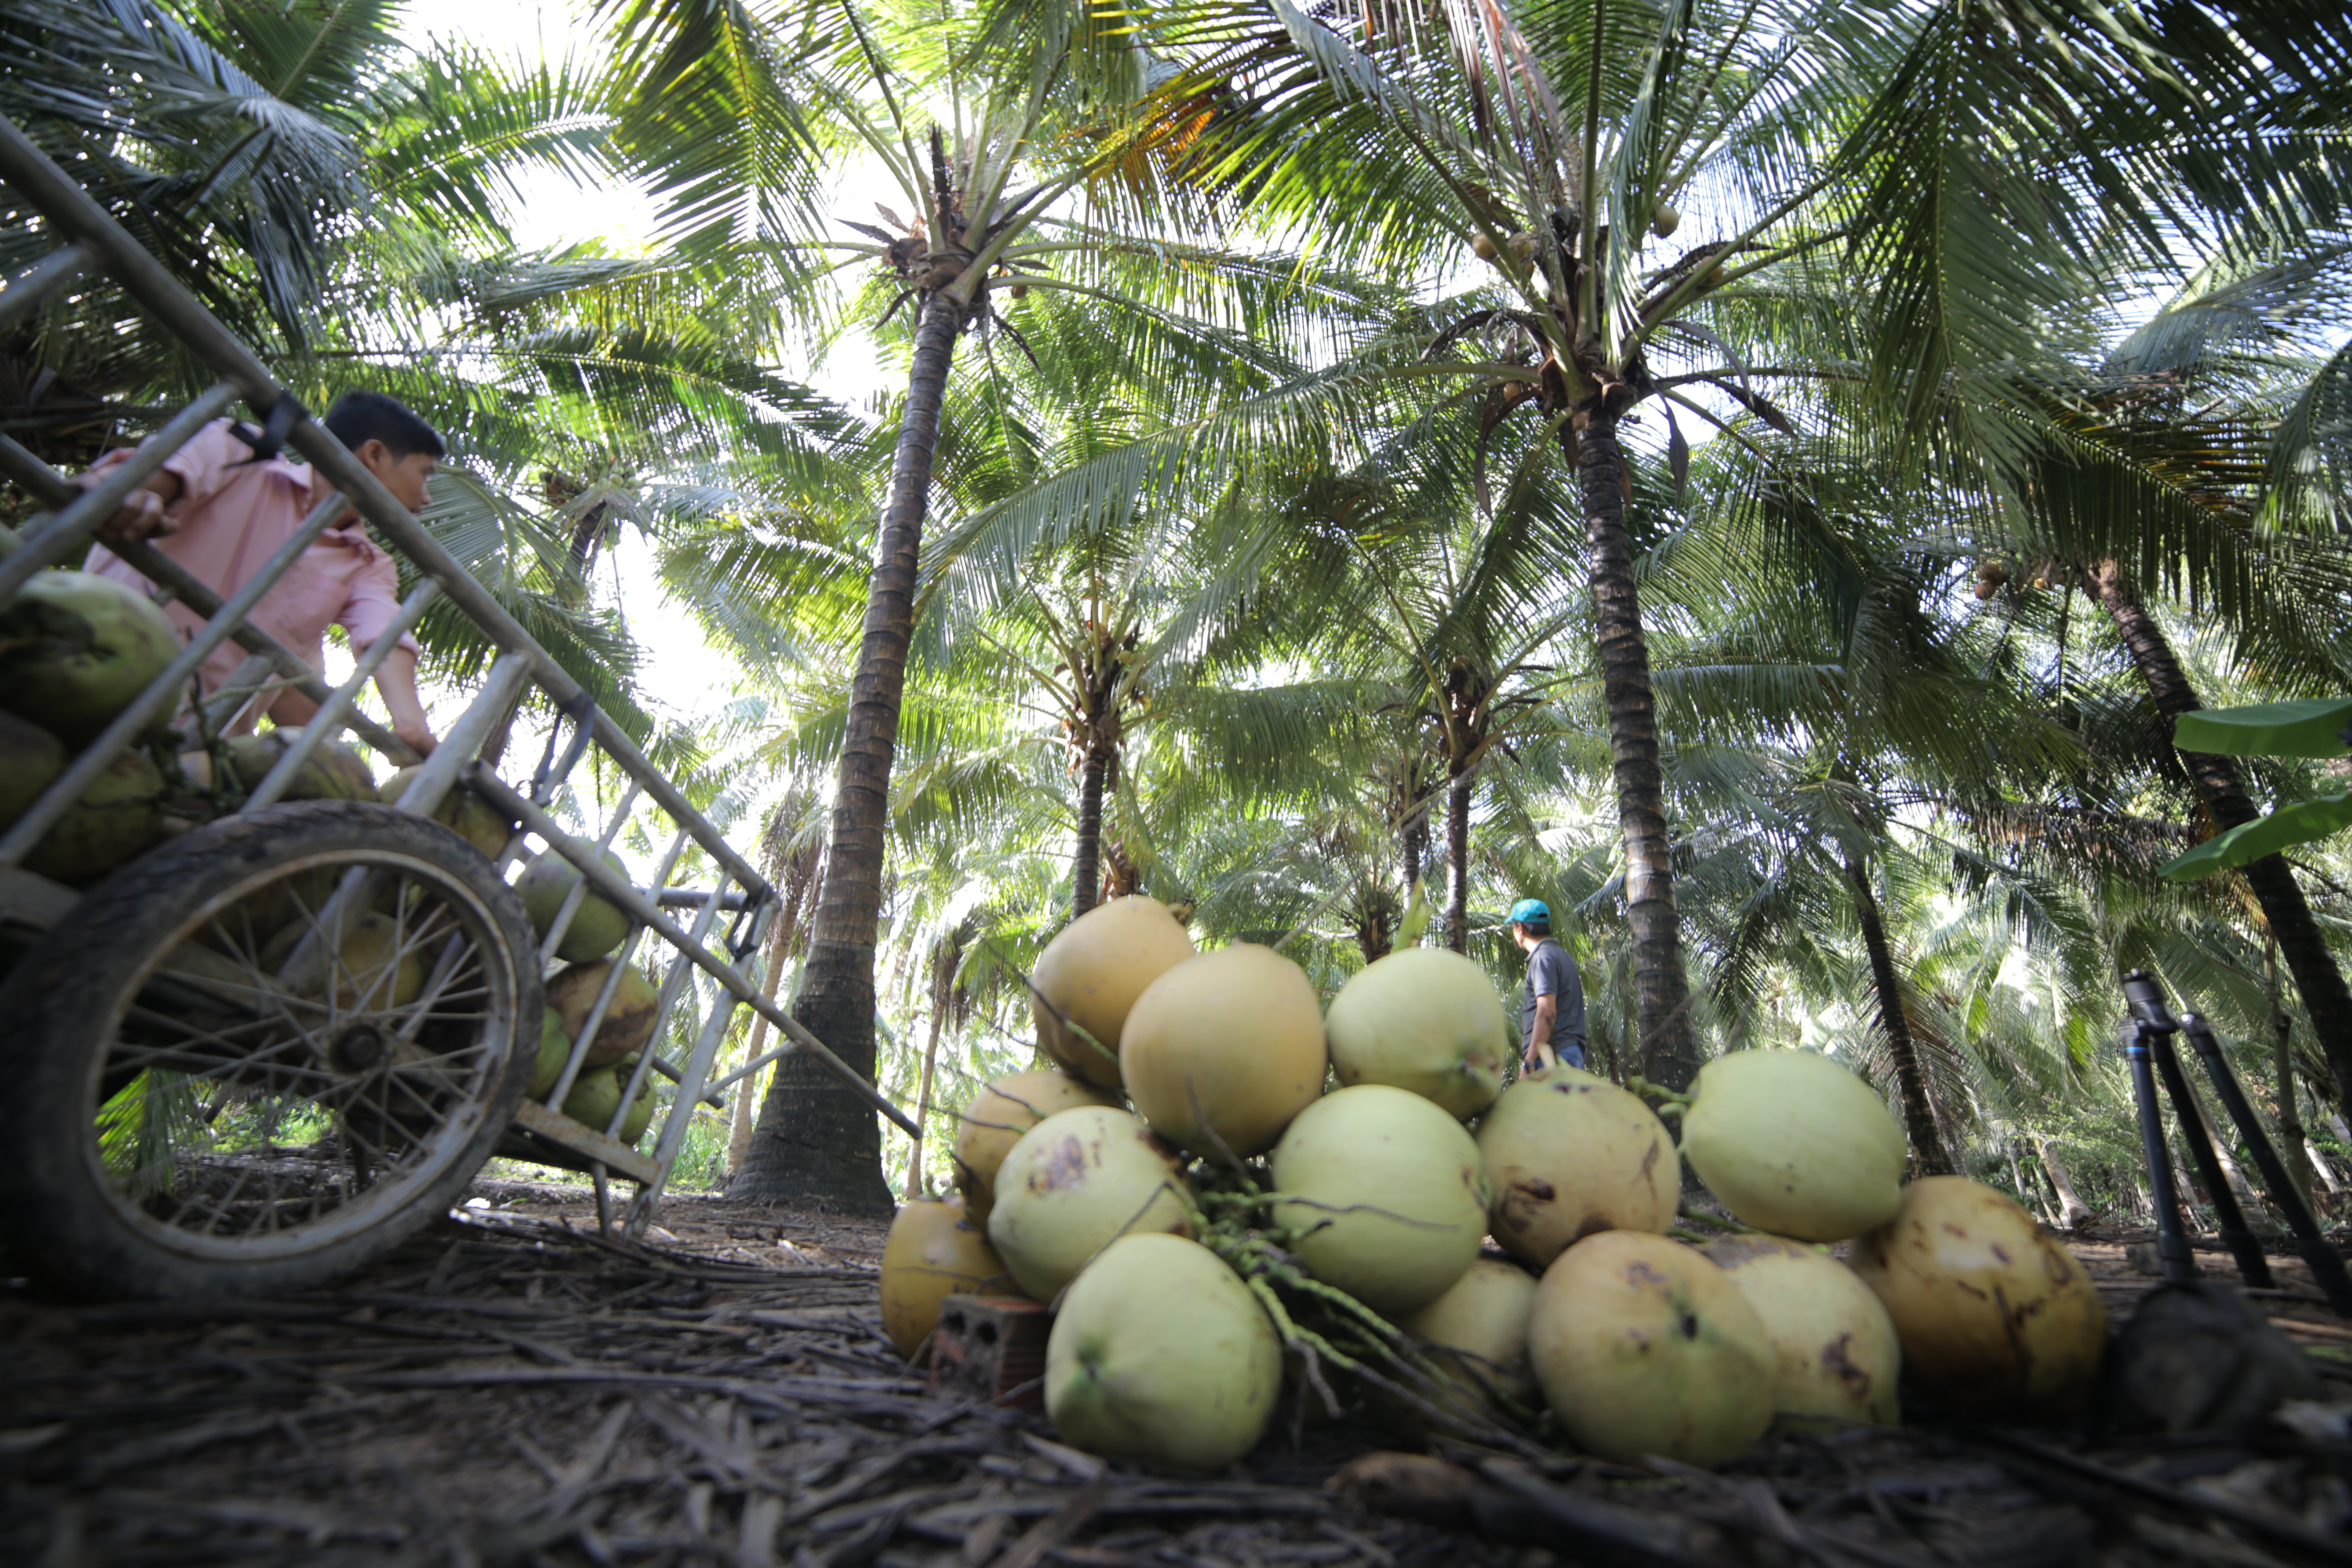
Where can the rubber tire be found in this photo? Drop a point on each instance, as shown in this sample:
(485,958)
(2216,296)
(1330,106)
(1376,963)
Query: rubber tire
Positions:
(55,1224)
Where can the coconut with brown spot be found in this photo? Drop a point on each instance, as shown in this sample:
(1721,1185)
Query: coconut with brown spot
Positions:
(1075,1182)
(1568,1155)
(1642,1346)
(993,1122)
(1836,1348)
(1995,1316)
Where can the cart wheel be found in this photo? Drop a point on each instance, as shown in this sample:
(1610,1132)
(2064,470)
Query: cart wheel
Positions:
(206,1096)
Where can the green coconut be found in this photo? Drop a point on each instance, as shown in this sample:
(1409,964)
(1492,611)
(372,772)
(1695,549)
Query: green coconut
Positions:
(373,975)
(1642,1346)
(554,1050)
(1091,974)
(1161,1356)
(1075,1182)
(1221,1051)
(76,648)
(119,815)
(998,1115)
(333,772)
(595,1095)
(1794,1145)
(1569,1153)
(1838,1356)
(598,928)
(641,1113)
(1385,1196)
(629,1021)
(463,812)
(30,760)
(1426,1019)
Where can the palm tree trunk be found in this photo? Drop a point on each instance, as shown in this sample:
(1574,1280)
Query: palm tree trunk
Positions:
(1668,1047)
(1457,865)
(1087,874)
(2326,1001)
(1412,851)
(2290,1115)
(738,1130)
(1918,1113)
(923,1096)
(816,1143)
(2075,1212)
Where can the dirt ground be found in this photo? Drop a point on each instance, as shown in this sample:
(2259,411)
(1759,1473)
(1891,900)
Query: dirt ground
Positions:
(510,1388)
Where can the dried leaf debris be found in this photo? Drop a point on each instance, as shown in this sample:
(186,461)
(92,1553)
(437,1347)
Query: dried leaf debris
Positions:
(513,1389)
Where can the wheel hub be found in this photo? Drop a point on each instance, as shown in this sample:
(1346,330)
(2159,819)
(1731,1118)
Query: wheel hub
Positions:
(360,1047)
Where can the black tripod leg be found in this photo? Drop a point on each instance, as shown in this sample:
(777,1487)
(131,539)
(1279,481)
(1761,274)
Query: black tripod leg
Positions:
(2171,1235)
(2252,1266)
(2327,1264)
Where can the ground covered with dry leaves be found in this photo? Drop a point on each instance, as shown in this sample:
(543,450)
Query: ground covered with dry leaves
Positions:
(510,1388)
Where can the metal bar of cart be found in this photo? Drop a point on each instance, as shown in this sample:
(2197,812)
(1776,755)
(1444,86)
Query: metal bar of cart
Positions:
(42,278)
(329,719)
(673,1133)
(616,887)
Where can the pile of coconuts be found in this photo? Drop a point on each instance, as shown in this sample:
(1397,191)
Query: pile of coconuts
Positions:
(1233,1199)
(597,929)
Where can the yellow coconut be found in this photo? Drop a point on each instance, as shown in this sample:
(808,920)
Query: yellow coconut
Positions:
(935,1250)
(1476,1333)
(1220,1052)
(1568,1155)
(1384,1195)
(373,972)
(1091,974)
(1839,1359)
(1426,1019)
(465,814)
(998,1116)
(629,1021)
(1075,1182)
(1995,1316)
(1642,1346)
(1794,1145)
(1161,1356)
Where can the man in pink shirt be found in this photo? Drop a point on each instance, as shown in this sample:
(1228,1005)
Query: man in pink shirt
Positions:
(221,514)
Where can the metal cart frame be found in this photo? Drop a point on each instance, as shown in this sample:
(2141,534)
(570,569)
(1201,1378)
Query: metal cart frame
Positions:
(90,240)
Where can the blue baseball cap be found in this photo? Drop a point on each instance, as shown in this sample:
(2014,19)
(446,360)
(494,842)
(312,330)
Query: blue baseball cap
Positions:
(1528,911)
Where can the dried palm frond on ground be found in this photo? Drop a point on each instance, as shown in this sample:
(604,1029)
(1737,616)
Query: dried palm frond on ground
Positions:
(511,1389)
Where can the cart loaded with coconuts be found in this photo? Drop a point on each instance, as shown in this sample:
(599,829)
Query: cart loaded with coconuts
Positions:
(265,1018)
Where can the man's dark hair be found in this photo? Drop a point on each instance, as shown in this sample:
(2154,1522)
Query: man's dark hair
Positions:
(1536,928)
(358,417)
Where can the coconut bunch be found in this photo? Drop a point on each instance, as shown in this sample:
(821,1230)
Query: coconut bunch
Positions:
(75,651)
(1221,1190)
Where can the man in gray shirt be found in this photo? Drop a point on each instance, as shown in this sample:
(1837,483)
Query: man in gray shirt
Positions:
(1552,1006)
